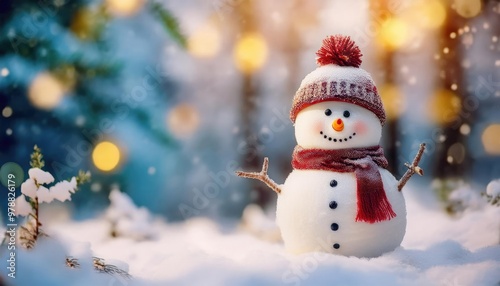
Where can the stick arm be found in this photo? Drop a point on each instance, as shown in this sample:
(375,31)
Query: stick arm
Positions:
(261,176)
(413,168)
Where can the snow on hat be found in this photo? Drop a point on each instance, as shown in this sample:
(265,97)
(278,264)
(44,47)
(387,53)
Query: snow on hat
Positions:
(338,78)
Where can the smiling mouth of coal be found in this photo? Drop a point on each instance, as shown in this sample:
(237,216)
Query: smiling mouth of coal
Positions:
(326,137)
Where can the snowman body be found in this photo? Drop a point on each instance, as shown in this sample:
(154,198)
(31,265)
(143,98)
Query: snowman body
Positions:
(316,209)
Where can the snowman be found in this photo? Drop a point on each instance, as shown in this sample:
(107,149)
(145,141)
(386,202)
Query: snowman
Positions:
(339,198)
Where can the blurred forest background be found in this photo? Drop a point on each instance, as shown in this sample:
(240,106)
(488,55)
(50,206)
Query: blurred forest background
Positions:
(165,99)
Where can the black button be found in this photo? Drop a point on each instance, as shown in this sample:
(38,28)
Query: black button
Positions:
(333,183)
(334,226)
(333,205)
(336,246)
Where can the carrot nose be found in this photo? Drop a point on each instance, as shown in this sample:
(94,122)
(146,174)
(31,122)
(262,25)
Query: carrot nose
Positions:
(338,125)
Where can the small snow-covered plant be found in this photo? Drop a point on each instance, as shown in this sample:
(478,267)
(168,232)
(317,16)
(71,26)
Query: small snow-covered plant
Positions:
(128,220)
(444,189)
(464,198)
(35,190)
(492,194)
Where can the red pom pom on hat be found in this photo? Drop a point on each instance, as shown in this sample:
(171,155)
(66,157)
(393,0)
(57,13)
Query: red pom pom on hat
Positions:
(339,50)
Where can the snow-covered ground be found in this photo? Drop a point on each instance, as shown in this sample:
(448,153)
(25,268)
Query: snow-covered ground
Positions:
(437,250)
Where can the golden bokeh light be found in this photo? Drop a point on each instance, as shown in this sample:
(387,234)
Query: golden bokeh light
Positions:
(183,120)
(393,101)
(491,139)
(393,34)
(7,112)
(205,42)
(45,91)
(106,156)
(250,53)
(444,107)
(124,7)
(429,14)
(467,8)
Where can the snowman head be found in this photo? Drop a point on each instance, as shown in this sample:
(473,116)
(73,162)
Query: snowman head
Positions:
(337,106)
(337,125)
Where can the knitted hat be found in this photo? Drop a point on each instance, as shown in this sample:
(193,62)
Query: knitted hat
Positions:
(338,78)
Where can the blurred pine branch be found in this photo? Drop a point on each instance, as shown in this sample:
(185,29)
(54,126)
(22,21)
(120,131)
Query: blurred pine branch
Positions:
(169,23)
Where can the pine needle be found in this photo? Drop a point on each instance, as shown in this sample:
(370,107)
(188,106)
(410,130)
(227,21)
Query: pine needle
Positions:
(169,22)
(72,262)
(101,266)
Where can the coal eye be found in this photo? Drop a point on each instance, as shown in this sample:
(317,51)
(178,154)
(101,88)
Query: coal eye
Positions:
(328,112)
(347,114)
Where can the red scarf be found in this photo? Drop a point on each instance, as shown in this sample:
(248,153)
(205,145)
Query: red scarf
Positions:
(373,205)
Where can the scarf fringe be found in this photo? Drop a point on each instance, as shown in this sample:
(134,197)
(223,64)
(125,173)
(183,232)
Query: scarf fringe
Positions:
(372,212)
